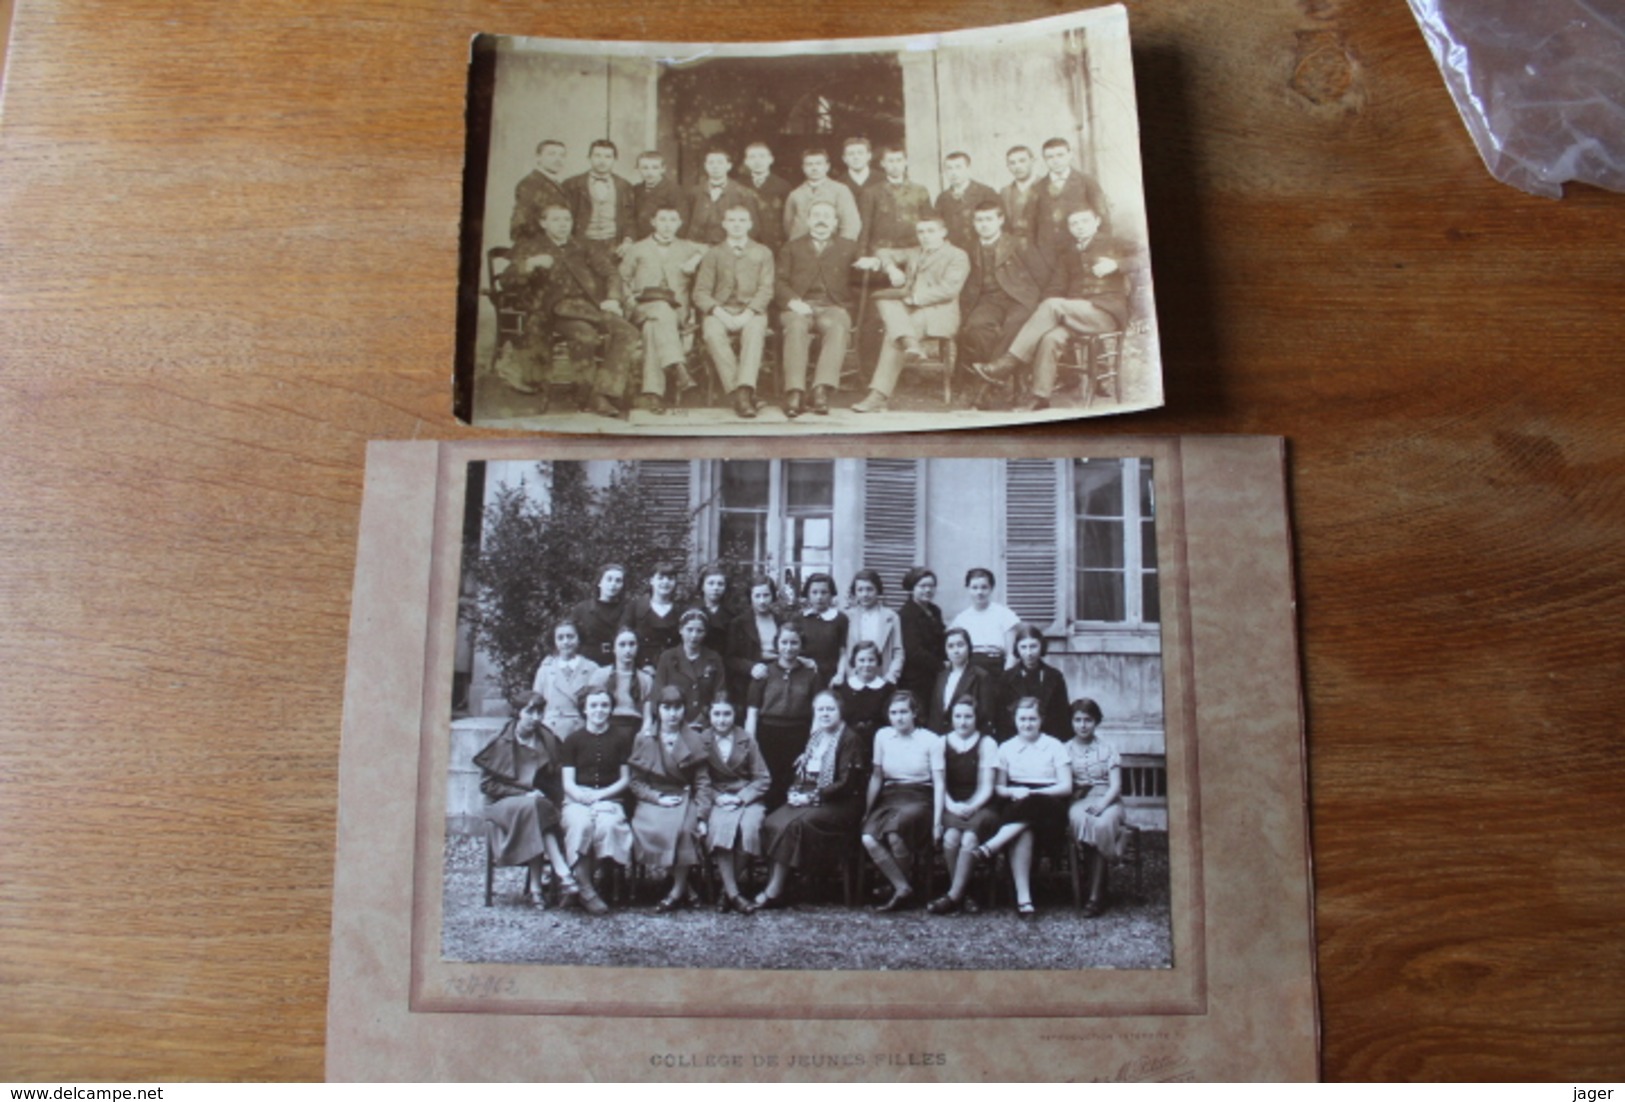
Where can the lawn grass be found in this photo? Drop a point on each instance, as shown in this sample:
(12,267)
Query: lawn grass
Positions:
(811,933)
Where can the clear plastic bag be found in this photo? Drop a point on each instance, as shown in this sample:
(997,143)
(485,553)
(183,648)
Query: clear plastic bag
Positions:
(1540,84)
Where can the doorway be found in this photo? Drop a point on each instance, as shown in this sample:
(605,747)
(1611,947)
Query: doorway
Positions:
(791,103)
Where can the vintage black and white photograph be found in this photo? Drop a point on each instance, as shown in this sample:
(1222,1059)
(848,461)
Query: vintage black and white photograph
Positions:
(809,713)
(866,235)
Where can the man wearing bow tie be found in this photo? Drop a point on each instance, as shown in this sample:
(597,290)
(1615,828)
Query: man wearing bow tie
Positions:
(732,292)
(602,204)
(923,302)
(714,196)
(1089,294)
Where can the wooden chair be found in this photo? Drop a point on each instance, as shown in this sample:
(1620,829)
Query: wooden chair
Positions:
(507,301)
(1097,359)
(1131,856)
(491,866)
(923,875)
(941,356)
(1049,862)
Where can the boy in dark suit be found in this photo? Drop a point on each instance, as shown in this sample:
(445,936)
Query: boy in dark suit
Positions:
(958,200)
(770,191)
(576,291)
(653,192)
(1088,293)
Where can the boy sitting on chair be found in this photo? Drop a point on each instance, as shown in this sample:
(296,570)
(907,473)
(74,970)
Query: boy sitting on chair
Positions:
(1087,294)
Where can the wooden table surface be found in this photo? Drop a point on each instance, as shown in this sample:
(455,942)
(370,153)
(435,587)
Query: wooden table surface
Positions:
(227,260)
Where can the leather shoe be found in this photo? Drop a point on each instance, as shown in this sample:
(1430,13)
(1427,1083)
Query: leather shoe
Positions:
(768,903)
(820,400)
(671,903)
(899,901)
(651,403)
(944,905)
(685,381)
(792,404)
(997,371)
(874,403)
(744,402)
(1031,404)
(603,406)
(912,353)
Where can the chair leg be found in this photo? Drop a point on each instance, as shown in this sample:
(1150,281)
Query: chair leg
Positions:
(950,360)
(490,868)
(1077,874)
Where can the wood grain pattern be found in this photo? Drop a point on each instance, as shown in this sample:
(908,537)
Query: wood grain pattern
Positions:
(229,257)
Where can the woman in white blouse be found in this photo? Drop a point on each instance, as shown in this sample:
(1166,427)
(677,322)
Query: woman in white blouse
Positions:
(906,794)
(992,626)
(1034,776)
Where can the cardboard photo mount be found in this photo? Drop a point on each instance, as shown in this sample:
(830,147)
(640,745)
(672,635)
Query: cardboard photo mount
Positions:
(1239,1002)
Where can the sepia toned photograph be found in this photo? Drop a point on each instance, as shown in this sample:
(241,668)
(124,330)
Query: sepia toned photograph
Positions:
(855,714)
(868,235)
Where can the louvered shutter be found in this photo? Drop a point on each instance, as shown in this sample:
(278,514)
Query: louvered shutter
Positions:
(1032,583)
(666,481)
(891,522)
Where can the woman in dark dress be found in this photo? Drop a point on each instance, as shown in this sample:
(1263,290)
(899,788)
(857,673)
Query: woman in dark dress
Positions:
(960,678)
(655,617)
(599,616)
(970,758)
(823,629)
(824,803)
(923,653)
(714,603)
(865,695)
(521,779)
(752,637)
(1032,676)
(672,783)
(695,671)
(780,712)
(595,777)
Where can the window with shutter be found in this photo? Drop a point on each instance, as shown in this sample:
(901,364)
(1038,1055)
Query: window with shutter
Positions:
(1032,581)
(892,522)
(667,482)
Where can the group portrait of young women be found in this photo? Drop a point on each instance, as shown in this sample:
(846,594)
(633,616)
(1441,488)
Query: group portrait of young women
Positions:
(793,730)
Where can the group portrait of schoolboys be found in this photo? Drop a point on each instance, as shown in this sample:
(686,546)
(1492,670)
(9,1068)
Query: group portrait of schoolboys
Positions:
(625,275)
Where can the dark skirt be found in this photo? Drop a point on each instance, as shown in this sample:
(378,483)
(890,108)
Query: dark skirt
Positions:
(811,836)
(517,825)
(983,822)
(1047,815)
(781,742)
(903,810)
